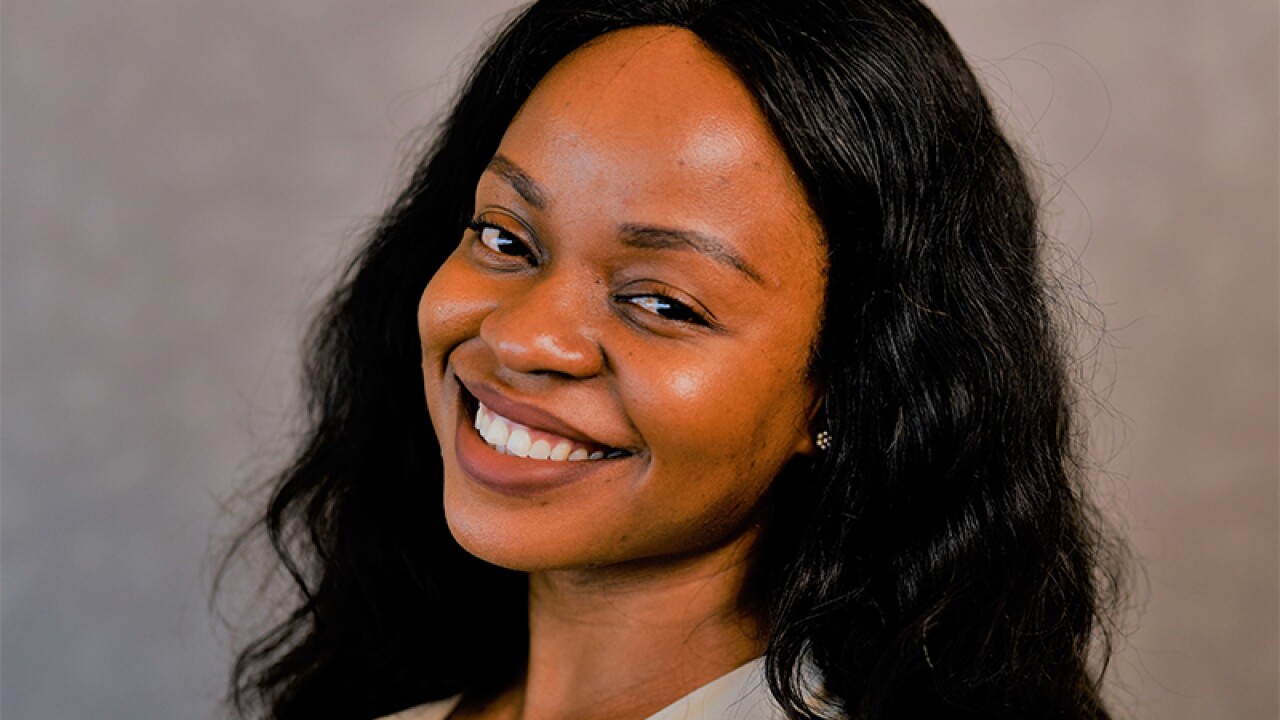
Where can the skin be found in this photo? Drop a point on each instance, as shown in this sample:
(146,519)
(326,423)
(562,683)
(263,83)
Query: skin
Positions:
(694,361)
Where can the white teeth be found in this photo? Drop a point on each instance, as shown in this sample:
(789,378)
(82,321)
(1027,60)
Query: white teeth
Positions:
(497,433)
(518,443)
(540,450)
(512,438)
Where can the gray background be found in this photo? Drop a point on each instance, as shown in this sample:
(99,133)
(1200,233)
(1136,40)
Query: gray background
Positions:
(180,179)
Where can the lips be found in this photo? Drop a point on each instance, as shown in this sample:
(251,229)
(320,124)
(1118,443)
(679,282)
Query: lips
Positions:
(523,450)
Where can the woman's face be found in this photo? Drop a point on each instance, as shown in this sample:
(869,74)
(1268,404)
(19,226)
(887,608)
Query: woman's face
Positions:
(642,285)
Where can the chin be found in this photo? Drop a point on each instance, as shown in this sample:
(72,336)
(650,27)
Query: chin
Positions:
(546,537)
(527,539)
(493,546)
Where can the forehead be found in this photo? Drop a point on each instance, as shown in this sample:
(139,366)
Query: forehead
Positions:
(649,125)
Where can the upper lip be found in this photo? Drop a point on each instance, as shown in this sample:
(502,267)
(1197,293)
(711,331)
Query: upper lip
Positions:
(527,415)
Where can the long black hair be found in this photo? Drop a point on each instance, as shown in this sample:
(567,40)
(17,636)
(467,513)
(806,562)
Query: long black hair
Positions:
(939,560)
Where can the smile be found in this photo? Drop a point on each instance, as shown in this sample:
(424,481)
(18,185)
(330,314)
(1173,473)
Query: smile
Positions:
(511,438)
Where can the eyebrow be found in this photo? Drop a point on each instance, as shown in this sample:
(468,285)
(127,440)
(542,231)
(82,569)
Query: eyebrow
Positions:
(645,237)
(659,238)
(527,187)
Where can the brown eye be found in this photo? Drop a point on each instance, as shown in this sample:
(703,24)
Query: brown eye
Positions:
(498,240)
(665,307)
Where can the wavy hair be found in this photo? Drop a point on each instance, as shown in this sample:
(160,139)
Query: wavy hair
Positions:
(941,559)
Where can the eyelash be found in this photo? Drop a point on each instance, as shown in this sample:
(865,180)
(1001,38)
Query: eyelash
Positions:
(684,313)
(657,302)
(479,227)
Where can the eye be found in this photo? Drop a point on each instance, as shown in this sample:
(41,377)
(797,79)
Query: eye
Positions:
(665,307)
(499,240)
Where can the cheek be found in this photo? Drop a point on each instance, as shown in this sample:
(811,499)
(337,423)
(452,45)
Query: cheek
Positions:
(685,385)
(720,414)
(718,435)
(450,310)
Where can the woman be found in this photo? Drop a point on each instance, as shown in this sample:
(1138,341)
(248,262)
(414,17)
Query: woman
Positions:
(739,369)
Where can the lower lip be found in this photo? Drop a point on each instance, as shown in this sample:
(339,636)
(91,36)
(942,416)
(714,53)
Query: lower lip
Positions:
(512,475)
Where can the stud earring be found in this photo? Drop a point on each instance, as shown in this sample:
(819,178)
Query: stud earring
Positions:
(823,440)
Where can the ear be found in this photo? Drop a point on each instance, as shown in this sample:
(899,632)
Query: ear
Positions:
(806,442)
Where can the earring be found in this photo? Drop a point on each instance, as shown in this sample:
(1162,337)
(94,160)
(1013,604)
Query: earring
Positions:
(823,440)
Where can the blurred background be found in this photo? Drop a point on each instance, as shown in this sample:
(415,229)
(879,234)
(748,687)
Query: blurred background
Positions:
(179,181)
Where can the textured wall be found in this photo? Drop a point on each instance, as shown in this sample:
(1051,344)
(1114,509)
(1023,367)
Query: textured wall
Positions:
(180,178)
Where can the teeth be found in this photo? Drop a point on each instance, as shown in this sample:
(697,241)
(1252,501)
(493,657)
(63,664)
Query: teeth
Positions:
(512,438)
(497,433)
(518,443)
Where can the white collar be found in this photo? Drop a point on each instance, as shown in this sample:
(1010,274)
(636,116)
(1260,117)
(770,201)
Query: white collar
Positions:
(740,694)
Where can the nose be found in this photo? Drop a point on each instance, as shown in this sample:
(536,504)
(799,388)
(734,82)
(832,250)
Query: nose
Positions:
(545,328)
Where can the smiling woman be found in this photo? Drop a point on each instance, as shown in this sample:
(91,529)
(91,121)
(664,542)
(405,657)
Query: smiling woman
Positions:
(657,250)
(611,304)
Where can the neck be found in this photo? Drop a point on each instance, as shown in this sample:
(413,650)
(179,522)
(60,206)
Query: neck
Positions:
(625,642)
